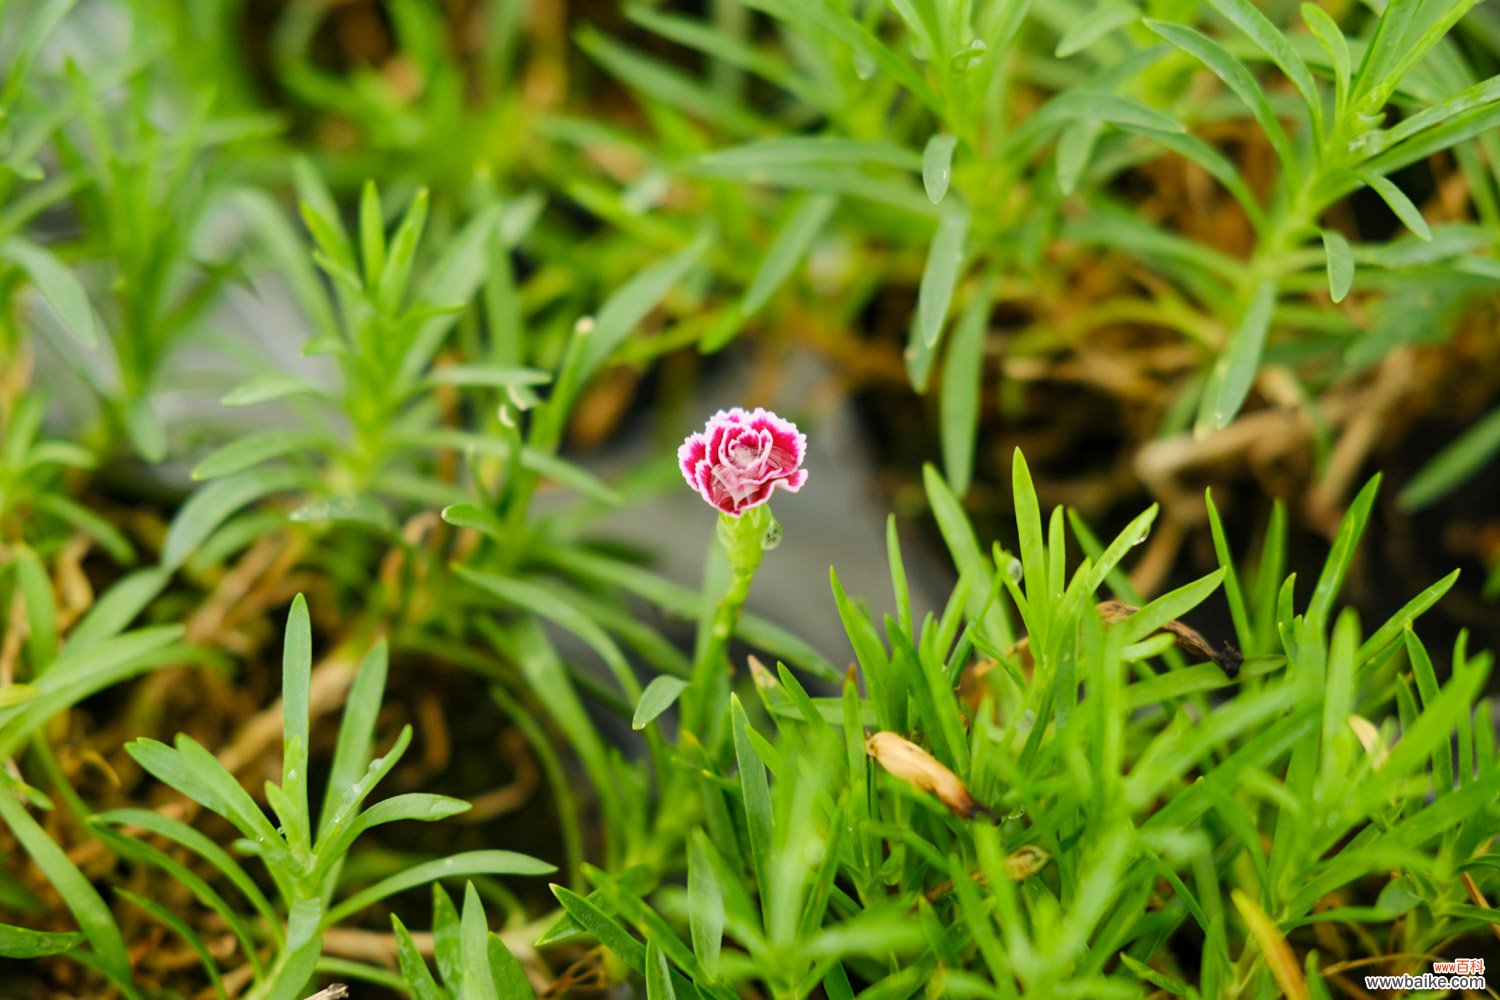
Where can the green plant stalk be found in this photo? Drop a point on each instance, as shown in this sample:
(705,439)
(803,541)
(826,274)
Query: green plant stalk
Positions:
(746,539)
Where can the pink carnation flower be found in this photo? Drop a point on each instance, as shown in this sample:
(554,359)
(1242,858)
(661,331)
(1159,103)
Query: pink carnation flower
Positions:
(741,457)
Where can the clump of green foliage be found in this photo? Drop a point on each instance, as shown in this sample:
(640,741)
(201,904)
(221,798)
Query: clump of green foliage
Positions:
(1160,825)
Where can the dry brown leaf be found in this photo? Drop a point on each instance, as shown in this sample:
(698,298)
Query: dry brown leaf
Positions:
(1279,957)
(908,762)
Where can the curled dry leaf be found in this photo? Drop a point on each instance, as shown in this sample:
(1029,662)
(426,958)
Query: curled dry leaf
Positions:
(1022,863)
(972,686)
(905,760)
(1191,640)
(1369,738)
(338,991)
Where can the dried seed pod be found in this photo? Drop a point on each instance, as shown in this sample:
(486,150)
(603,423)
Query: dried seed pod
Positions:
(905,760)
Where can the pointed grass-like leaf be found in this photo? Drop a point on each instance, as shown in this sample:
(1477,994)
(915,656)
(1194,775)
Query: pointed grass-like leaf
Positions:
(77,892)
(789,248)
(1273,42)
(461,865)
(211,505)
(1427,686)
(1399,623)
(183,930)
(1454,464)
(296,684)
(755,795)
(963,546)
(474,935)
(57,284)
(623,311)
(1340,264)
(1170,606)
(656,699)
(945,256)
(1398,202)
(253,449)
(705,904)
(937,166)
(1104,19)
(413,968)
(1331,579)
(1235,76)
(356,738)
(22,942)
(1232,591)
(219,859)
(658,974)
(602,927)
(1236,368)
(963,380)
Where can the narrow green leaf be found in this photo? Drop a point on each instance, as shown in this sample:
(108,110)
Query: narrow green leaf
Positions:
(937,166)
(787,250)
(627,307)
(1103,19)
(1235,76)
(1331,579)
(1237,366)
(57,284)
(148,435)
(78,894)
(705,904)
(1427,687)
(964,549)
(758,161)
(474,934)
(1454,465)
(267,387)
(371,232)
(1398,202)
(182,929)
(1328,34)
(963,379)
(756,797)
(488,376)
(363,509)
(211,505)
(1270,40)
(656,699)
(1169,606)
(252,449)
(20,942)
(356,739)
(296,684)
(1340,263)
(1386,48)
(658,976)
(1074,148)
(945,255)
(413,969)
(180,833)
(454,866)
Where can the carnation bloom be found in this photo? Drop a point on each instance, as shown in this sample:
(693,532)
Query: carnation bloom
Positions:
(741,457)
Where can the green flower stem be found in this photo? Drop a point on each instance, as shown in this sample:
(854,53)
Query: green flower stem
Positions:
(745,539)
